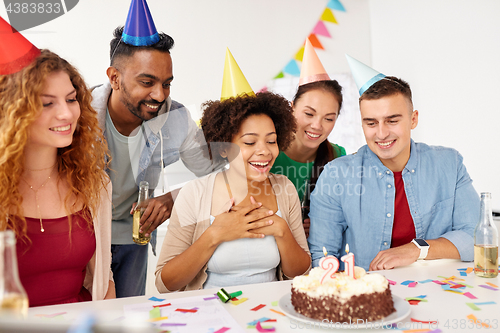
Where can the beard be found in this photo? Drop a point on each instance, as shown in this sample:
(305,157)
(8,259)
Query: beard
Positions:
(136,109)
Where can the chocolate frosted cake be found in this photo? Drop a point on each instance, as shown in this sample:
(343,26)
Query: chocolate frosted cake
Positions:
(343,299)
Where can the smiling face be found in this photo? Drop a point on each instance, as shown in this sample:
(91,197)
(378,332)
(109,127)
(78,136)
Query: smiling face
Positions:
(387,125)
(143,82)
(258,148)
(57,121)
(316,112)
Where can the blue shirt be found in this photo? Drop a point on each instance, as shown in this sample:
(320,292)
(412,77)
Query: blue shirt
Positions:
(353,203)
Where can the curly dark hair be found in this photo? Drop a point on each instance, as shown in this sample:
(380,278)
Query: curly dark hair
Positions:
(119,50)
(221,120)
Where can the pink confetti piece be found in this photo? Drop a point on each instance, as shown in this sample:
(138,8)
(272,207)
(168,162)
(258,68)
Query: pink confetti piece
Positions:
(413,284)
(260,329)
(468,294)
(392,282)
(488,287)
(258,307)
(222,330)
(439,282)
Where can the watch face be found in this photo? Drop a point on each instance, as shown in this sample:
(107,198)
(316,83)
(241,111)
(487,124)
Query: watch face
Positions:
(421,242)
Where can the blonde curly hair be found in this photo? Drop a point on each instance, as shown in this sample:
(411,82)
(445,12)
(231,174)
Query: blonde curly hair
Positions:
(84,162)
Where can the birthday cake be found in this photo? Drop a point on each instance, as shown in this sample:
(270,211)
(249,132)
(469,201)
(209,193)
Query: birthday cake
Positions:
(367,297)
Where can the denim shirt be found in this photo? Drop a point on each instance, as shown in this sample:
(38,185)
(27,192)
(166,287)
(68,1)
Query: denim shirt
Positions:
(353,203)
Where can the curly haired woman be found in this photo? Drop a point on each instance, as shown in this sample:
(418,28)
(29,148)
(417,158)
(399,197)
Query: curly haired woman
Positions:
(241,225)
(55,193)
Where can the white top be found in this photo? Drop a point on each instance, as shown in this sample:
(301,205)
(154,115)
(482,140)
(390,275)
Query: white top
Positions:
(243,261)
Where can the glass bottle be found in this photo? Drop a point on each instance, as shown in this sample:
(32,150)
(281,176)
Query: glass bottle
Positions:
(13,298)
(486,241)
(137,236)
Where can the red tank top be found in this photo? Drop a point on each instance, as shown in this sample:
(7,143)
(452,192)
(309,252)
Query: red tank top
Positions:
(403,229)
(52,267)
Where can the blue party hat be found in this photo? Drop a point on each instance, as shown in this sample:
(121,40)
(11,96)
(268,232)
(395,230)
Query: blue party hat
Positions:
(140,29)
(364,76)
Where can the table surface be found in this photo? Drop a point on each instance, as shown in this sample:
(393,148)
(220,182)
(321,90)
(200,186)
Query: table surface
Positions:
(447,308)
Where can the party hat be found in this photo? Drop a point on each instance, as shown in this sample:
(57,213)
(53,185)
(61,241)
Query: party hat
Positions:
(364,76)
(140,29)
(16,52)
(312,69)
(234,82)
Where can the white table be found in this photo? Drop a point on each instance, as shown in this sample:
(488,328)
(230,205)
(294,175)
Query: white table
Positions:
(449,309)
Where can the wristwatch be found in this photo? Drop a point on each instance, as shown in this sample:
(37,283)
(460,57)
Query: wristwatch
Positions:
(423,246)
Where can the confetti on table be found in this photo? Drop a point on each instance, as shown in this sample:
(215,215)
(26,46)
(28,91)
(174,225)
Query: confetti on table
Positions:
(468,294)
(261,329)
(173,324)
(222,330)
(469,270)
(437,330)
(162,305)
(156,299)
(477,321)
(421,296)
(258,307)
(209,298)
(458,286)
(463,274)
(51,315)
(413,284)
(472,306)
(414,302)
(407,282)
(253,323)
(236,294)
(270,321)
(424,321)
(392,282)
(488,287)
(491,284)
(155,313)
(187,310)
(439,282)
(454,291)
(447,287)
(415,299)
(425,281)
(157,319)
(486,303)
(461,269)
(238,302)
(278,312)
(275,303)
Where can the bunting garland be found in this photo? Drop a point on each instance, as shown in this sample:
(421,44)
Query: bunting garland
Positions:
(320,29)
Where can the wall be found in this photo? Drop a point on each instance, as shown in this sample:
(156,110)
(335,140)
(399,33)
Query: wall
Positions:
(449,51)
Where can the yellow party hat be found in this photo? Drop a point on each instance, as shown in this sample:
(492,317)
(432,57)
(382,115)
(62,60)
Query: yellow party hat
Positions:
(234,82)
(312,70)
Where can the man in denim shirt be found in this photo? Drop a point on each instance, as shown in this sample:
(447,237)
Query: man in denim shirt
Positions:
(146,130)
(392,191)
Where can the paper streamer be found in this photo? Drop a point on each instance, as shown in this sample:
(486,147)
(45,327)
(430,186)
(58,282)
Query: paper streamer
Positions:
(488,287)
(260,329)
(276,311)
(222,330)
(258,307)
(155,299)
(468,294)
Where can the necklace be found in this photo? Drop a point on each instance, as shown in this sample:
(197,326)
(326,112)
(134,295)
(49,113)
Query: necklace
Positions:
(50,167)
(36,194)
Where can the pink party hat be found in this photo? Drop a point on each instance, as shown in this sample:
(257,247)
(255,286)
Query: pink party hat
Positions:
(16,52)
(140,29)
(312,69)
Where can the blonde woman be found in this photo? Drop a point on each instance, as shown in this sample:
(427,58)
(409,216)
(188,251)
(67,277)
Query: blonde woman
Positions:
(55,192)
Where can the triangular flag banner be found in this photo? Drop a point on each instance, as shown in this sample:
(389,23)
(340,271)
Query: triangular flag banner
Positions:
(336,5)
(16,52)
(312,69)
(279,76)
(320,29)
(139,28)
(315,42)
(364,76)
(328,16)
(234,82)
(300,54)
(292,68)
